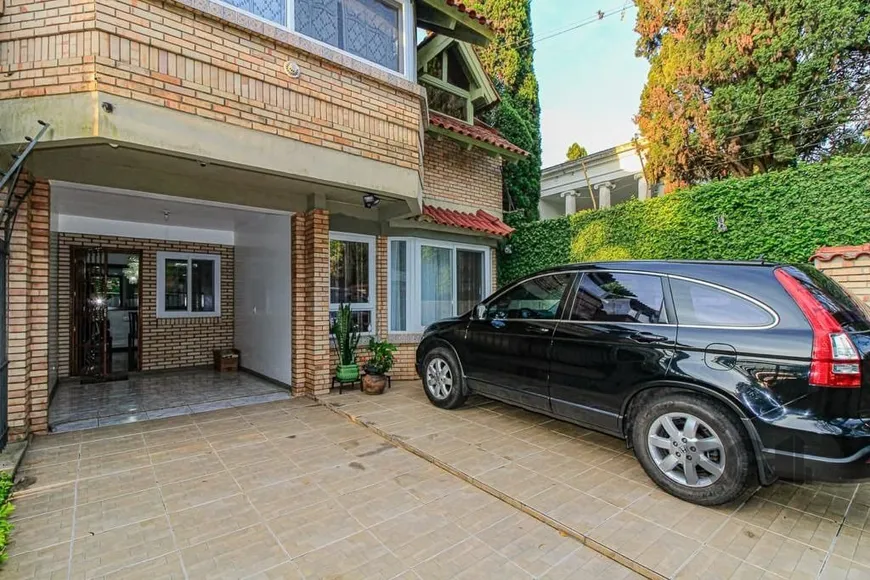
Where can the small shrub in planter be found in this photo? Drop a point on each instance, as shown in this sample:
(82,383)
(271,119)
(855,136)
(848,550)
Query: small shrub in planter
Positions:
(345,338)
(379,364)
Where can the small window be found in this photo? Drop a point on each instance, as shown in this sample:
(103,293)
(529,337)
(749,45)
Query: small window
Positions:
(351,277)
(703,305)
(535,299)
(619,297)
(188,285)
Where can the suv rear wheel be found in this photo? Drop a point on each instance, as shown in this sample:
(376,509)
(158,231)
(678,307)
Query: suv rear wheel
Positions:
(694,448)
(442,379)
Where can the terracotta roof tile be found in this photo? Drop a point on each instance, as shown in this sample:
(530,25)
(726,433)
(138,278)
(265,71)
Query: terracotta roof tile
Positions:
(478,131)
(479,221)
(828,253)
(459,6)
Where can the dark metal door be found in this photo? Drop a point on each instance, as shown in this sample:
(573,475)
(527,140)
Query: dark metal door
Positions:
(91,342)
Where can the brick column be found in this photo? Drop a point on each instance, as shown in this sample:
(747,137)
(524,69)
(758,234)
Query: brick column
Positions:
(311,367)
(27,307)
(382,287)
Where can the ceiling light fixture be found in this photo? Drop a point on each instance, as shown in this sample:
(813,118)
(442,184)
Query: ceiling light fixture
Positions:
(370,200)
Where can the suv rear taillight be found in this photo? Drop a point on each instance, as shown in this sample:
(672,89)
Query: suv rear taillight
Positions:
(835,361)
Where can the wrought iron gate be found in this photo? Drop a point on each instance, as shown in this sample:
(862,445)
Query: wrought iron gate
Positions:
(12,197)
(91,340)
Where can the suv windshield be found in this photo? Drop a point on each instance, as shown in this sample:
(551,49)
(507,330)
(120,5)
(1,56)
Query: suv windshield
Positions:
(851,312)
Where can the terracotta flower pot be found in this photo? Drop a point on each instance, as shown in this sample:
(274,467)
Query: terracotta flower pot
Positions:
(374,384)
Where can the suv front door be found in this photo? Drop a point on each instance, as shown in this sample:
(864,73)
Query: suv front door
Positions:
(506,352)
(615,335)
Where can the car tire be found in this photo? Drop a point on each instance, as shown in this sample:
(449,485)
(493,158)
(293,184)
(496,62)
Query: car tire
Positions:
(694,448)
(443,382)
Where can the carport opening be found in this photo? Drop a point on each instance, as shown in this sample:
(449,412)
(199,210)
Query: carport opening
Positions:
(145,288)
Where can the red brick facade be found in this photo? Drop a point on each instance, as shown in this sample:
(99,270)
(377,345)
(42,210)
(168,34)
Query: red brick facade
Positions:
(850,268)
(460,176)
(166,342)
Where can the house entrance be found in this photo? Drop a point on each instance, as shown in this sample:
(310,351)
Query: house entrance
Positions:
(105,300)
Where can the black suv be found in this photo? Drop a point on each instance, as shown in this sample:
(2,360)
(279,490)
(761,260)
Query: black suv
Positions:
(718,374)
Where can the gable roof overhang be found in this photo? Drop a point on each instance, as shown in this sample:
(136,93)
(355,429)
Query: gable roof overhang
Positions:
(478,135)
(484,94)
(453,18)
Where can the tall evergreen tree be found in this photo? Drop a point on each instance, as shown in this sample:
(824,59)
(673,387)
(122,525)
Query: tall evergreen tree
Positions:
(738,87)
(509,61)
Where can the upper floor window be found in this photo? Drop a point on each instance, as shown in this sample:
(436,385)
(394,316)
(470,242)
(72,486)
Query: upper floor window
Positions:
(373,30)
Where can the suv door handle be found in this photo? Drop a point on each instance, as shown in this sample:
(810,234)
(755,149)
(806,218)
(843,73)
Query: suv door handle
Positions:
(647,337)
(538,329)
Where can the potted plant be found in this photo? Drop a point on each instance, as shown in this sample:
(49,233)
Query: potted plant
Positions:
(379,364)
(345,338)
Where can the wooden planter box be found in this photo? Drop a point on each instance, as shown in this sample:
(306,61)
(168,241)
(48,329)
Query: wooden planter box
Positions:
(226,360)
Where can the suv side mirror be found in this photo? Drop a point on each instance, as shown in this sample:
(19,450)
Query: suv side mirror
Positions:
(480,312)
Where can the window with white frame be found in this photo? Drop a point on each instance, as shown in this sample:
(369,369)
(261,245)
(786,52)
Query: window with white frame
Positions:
(188,285)
(430,280)
(374,30)
(352,277)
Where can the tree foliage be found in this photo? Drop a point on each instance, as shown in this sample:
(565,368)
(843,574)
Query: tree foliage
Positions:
(576,151)
(738,87)
(509,61)
(784,215)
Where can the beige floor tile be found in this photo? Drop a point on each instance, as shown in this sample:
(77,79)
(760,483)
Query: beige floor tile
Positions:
(300,443)
(429,483)
(119,548)
(42,476)
(34,503)
(188,468)
(247,454)
(307,529)
(767,550)
(286,571)
(472,433)
(375,504)
(471,509)
(794,524)
(606,441)
(113,432)
(853,544)
(584,562)
(554,465)
(339,559)
(278,429)
(236,555)
(585,451)
(341,432)
(166,567)
(806,499)
(49,563)
(97,517)
(50,456)
(837,568)
(419,534)
(628,467)
(193,492)
(648,544)
(347,477)
(517,482)
(55,440)
(202,523)
(227,414)
(475,461)
(692,521)
(271,471)
(842,490)
(456,560)
(108,486)
(100,447)
(575,509)
(494,566)
(712,564)
(166,423)
(510,448)
(321,458)
(222,426)
(530,544)
(858,515)
(283,498)
(541,436)
(179,450)
(175,434)
(236,438)
(41,531)
(613,489)
(108,464)
(439,445)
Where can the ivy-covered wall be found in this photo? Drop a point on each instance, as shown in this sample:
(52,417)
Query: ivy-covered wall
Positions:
(784,216)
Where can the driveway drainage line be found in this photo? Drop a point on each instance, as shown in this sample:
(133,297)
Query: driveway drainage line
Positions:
(540,516)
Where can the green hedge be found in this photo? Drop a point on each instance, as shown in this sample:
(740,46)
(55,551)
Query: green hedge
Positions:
(6,509)
(784,215)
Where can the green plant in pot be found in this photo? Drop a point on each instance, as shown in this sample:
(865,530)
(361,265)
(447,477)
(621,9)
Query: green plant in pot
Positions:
(379,364)
(345,338)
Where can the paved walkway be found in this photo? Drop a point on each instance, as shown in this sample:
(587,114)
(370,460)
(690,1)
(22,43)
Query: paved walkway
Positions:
(280,490)
(589,485)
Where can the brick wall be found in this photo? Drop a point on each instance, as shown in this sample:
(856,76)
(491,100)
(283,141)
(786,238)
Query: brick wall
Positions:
(850,267)
(169,55)
(27,309)
(455,175)
(166,342)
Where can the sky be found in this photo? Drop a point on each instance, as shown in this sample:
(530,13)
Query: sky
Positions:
(589,79)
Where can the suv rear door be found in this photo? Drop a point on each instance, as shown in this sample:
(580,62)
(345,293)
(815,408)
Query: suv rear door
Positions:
(615,335)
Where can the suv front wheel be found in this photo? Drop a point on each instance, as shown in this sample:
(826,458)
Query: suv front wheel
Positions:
(694,448)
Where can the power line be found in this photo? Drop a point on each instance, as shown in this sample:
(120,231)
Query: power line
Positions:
(599,16)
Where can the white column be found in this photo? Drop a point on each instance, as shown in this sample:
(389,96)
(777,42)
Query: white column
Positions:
(642,187)
(570,202)
(604,190)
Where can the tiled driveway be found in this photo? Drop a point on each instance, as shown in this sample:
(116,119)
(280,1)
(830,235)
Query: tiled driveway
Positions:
(589,485)
(281,490)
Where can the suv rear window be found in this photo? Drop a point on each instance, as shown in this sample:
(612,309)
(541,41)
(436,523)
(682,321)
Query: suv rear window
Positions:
(702,305)
(852,314)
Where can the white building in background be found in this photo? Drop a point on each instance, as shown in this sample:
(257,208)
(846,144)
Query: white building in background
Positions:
(612,176)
